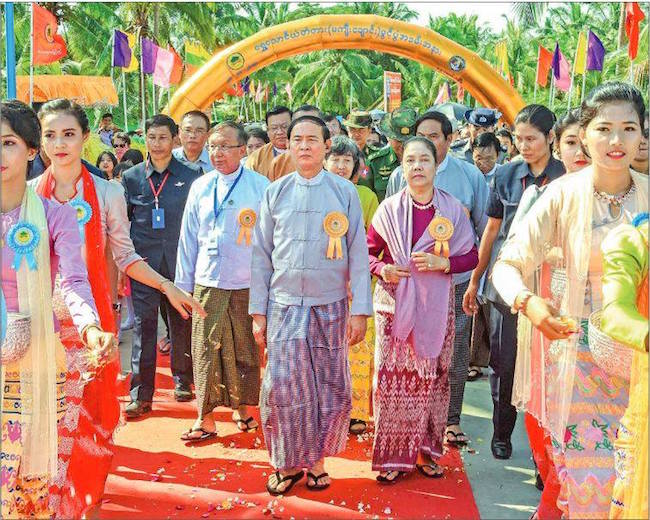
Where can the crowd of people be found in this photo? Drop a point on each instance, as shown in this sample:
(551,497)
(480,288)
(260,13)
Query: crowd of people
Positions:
(340,274)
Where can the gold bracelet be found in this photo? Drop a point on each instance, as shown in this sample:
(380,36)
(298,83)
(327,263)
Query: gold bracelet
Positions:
(521,307)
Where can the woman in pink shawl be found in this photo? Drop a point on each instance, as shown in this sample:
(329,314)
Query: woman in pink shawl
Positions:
(418,238)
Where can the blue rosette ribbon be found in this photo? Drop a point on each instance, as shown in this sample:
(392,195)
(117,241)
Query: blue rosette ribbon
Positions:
(23,238)
(84,214)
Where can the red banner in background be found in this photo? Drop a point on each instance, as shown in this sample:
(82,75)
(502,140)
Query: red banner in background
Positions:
(48,45)
(392,90)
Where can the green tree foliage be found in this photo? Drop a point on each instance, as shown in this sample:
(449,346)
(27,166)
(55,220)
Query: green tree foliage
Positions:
(335,80)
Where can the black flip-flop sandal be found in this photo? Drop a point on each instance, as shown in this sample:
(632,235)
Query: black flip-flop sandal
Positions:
(316,478)
(246,424)
(293,478)
(205,435)
(387,481)
(474,374)
(455,441)
(433,466)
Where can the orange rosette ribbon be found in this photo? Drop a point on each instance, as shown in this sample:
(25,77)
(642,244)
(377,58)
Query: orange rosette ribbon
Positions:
(247,219)
(441,229)
(336,225)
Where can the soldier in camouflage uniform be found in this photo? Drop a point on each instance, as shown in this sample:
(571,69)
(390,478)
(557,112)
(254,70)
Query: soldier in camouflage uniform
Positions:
(398,126)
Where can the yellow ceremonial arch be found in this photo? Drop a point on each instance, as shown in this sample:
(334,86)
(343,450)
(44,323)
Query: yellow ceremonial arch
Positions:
(359,32)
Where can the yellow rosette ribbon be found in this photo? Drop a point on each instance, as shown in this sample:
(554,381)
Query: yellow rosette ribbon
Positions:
(247,218)
(441,229)
(336,225)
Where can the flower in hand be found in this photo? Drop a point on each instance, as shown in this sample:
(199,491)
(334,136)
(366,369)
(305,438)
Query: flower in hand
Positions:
(101,349)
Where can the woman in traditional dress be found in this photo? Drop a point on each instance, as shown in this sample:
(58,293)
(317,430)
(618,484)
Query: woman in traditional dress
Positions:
(425,236)
(40,240)
(573,398)
(568,146)
(85,435)
(343,159)
(625,318)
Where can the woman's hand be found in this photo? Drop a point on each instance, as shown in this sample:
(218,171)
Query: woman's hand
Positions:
(428,262)
(101,346)
(392,273)
(544,317)
(183,302)
(470,304)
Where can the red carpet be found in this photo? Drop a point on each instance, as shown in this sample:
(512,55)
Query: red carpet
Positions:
(156,475)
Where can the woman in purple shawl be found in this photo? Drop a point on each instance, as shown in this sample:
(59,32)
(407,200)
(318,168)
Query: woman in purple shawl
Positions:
(418,238)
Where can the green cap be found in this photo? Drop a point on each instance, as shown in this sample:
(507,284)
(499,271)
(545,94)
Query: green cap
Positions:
(399,124)
(358,119)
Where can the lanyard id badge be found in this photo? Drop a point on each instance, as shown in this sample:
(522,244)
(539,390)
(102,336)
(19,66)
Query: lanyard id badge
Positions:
(158,213)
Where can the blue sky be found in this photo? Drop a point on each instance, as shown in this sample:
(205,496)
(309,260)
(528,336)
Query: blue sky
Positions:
(488,13)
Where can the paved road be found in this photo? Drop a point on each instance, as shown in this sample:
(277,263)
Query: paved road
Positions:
(502,488)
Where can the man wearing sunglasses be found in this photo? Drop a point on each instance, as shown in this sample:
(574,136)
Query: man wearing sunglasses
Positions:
(121,143)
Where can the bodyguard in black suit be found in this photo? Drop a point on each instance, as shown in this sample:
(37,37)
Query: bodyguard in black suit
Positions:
(156,191)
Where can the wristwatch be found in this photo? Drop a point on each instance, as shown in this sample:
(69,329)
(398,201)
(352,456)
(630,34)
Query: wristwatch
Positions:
(117,307)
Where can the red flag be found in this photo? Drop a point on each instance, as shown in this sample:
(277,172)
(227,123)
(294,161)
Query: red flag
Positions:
(544,61)
(47,45)
(633,16)
(177,69)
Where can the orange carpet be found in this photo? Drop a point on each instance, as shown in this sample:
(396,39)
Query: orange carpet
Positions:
(156,475)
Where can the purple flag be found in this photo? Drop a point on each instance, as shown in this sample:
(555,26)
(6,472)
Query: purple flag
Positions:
(275,89)
(595,52)
(121,50)
(246,85)
(149,54)
(561,70)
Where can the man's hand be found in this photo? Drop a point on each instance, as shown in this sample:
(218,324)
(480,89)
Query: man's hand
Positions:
(356,329)
(182,301)
(259,329)
(470,305)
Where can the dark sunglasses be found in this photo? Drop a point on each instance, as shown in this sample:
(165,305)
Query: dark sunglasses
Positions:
(123,145)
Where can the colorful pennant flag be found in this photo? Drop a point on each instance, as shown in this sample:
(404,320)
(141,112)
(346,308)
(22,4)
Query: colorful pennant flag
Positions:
(444,94)
(134,64)
(544,63)
(177,69)
(561,70)
(149,51)
(581,54)
(195,56)
(633,17)
(251,92)
(501,53)
(259,93)
(246,85)
(287,89)
(595,52)
(163,67)
(121,51)
(460,93)
(47,45)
